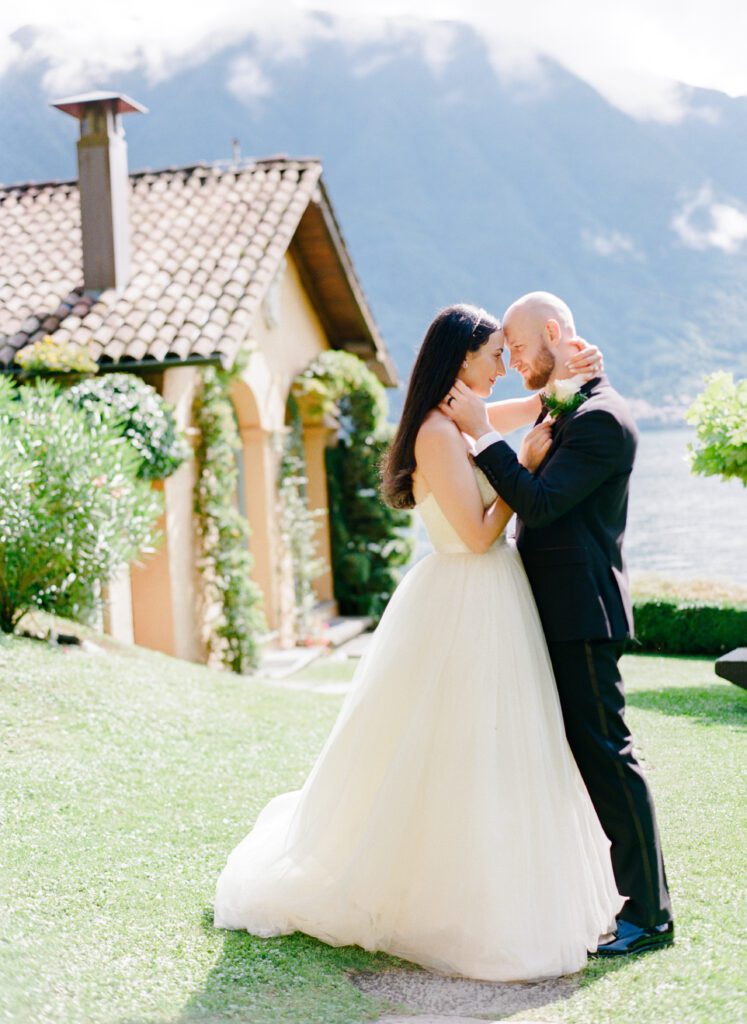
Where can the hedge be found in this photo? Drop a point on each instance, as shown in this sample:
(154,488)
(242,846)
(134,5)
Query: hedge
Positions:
(688,627)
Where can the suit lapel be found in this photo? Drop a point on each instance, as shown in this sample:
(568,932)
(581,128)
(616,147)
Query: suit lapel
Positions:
(589,388)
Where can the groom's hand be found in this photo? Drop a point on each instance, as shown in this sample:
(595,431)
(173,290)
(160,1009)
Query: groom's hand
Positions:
(466,410)
(536,445)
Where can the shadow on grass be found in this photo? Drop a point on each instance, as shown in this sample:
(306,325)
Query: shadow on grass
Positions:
(713,705)
(293,979)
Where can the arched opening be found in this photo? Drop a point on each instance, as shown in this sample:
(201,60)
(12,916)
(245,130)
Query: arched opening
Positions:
(257,474)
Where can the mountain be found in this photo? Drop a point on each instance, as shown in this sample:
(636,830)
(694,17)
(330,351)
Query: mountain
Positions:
(458,185)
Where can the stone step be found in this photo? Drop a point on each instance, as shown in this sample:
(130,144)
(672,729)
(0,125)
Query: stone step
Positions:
(354,648)
(275,663)
(344,628)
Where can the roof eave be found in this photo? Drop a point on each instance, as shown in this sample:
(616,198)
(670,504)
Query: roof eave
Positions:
(369,344)
(137,365)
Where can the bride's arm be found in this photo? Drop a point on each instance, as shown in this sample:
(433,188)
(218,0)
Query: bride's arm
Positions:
(443,463)
(512,413)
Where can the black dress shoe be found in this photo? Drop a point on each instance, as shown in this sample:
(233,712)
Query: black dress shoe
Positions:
(631,938)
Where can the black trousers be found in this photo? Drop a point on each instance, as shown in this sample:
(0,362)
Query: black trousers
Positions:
(592,696)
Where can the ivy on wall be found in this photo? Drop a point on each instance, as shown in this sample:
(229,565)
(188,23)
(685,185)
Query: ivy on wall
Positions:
(368,538)
(225,562)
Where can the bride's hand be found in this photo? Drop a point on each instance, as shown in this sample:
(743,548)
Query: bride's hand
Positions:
(588,361)
(536,445)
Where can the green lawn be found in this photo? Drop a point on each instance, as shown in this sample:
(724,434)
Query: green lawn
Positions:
(128,776)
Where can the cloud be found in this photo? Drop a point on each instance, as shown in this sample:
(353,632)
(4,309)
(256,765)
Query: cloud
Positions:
(247,81)
(703,223)
(611,244)
(648,97)
(634,54)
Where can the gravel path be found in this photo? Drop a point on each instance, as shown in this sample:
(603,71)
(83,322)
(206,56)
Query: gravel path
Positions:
(458,1000)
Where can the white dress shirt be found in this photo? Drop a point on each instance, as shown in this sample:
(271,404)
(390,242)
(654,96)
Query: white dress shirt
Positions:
(486,440)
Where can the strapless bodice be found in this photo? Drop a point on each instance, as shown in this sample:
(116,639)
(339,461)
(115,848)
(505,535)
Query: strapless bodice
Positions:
(441,533)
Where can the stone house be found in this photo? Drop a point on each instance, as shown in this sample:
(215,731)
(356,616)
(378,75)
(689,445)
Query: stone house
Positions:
(161,272)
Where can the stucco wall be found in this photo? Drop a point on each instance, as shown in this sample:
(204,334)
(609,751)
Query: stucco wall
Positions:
(164,588)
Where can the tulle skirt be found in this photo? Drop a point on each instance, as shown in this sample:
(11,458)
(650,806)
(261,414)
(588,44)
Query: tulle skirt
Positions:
(445,820)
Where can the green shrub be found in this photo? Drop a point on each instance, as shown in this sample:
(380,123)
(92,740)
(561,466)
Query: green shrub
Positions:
(146,420)
(71,507)
(669,626)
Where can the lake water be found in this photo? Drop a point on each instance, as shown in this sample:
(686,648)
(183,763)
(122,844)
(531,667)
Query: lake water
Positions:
(679,525)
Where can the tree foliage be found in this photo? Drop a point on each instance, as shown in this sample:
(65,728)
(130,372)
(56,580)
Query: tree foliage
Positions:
(720,418)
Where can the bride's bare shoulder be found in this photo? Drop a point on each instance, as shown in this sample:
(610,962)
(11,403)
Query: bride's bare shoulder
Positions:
(436,428)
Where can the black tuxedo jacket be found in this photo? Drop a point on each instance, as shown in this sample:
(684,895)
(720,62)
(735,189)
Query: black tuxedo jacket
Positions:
(571,517)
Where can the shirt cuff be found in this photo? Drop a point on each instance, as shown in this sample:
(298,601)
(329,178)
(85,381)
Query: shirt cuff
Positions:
(486,440)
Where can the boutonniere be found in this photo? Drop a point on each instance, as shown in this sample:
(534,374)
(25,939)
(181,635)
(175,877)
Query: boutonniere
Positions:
(563,396)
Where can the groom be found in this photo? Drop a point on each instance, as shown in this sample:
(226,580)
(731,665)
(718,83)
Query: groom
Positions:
(571,517)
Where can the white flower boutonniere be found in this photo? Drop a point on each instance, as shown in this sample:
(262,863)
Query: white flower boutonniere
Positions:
(562,396)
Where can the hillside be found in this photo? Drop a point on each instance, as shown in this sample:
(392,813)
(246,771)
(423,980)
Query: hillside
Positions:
(456,185)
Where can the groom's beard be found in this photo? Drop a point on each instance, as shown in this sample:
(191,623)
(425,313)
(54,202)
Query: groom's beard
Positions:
(540,371)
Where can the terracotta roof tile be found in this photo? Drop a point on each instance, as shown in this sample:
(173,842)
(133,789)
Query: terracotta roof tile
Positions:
(206,243)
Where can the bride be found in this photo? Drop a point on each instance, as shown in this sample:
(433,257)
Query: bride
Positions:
(445,820)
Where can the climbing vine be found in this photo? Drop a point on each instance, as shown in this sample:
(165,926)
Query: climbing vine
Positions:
(369,542)
(225,562)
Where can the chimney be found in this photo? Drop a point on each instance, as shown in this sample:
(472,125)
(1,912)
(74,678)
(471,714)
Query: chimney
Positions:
(104,186)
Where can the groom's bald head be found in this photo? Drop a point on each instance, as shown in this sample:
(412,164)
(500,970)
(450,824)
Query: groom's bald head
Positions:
(536,329)
(537,308)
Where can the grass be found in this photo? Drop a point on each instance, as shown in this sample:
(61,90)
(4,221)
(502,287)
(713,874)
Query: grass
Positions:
(127,777)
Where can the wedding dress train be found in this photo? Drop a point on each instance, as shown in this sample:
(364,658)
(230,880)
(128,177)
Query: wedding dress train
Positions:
(445,820)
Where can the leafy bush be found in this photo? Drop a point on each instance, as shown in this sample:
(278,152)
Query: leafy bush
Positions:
(71,508)
(146,420)
(368,538)
(720,417)
(671,626)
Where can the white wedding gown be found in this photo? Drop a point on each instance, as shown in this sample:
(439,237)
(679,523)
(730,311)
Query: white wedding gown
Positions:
(445,820)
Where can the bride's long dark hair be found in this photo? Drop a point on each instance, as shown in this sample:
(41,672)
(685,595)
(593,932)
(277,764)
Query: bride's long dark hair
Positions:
(454,332)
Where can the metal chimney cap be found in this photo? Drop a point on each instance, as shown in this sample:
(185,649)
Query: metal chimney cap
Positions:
(121,104)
